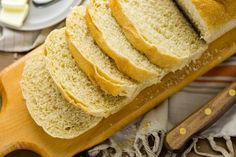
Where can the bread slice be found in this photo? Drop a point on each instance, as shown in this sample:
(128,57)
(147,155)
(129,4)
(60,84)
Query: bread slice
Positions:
(97,65)
(73,83)
(109,36)
(47,106)
(158,29)
(212,18)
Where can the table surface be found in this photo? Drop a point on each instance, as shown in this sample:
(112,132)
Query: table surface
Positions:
(8,58)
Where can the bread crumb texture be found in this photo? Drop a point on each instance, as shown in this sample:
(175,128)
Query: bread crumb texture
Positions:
(46,104)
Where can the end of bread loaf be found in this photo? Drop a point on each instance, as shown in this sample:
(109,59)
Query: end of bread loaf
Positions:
(212,18)
(47,106)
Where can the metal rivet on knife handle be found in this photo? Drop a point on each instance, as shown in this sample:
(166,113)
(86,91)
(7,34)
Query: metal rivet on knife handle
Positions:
(232,92)
(208,111)
(182,131)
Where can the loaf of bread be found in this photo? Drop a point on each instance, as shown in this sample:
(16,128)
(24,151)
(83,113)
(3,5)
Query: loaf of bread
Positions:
(158,29)
(213,18)
(97,65)
(73,83)
(47,106)
(102,59)
(109,36)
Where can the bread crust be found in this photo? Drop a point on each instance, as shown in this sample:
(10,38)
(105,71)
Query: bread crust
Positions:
(124,64)
(155,54)
(213,18)
(219,16)
(217,12)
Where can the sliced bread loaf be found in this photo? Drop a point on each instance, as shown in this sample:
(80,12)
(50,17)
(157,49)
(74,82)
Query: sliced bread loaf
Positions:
(109,36)
(47,106)
(158,29)
(97,65)
(212,18)
(73,83)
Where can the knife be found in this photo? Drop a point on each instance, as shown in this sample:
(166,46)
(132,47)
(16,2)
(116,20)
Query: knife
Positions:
(203,118)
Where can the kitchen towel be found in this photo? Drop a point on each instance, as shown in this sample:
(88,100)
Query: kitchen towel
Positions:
(142,140)
(24,41)
(134,140)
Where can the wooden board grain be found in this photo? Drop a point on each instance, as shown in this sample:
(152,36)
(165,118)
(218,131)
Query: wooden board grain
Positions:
(18,130)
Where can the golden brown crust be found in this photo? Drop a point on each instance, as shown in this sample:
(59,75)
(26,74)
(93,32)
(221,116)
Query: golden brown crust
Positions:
(130,69)
(155,55)
(216,13)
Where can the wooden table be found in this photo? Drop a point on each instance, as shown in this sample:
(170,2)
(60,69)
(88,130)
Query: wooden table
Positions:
(8,58)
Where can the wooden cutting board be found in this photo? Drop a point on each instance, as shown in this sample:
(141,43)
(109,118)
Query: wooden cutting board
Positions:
(18,130)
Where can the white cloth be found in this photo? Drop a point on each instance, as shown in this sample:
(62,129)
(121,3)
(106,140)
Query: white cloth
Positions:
(134,140)
(18,41)
(179,107)
(23,41)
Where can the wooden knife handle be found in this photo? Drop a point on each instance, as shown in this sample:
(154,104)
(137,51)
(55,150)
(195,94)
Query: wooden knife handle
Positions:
(201,119)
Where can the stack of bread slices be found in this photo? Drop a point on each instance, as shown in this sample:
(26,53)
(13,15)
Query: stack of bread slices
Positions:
(102,59)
